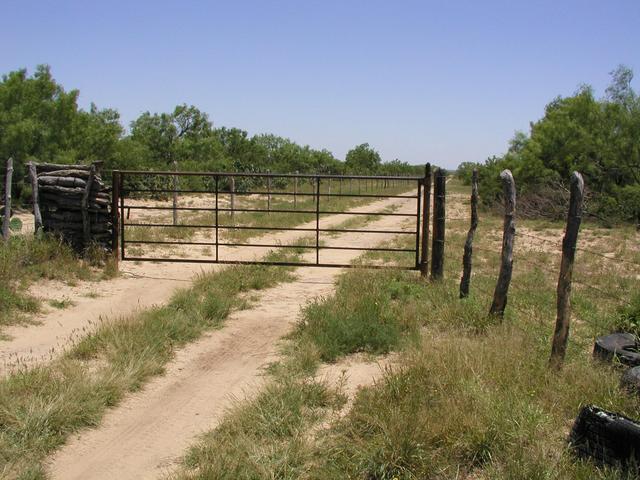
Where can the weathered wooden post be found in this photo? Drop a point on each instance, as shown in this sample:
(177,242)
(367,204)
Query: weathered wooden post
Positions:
(7,199)
(563,302)
(35,197)
(175,193)
(84,205)
(509,232)
(295,191)
(468,244)
(439,215)
(426,206)
(232,196)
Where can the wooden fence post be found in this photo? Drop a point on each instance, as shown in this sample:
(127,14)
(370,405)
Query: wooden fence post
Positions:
(468,244)
(509,232)
(86,223)
(232,195)
(563,302)
(175,194)
(295,191)
(426,207)
(439,214)
(35,197)
(7,199)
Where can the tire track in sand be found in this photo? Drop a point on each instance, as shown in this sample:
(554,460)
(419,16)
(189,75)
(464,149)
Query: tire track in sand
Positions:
(151,429)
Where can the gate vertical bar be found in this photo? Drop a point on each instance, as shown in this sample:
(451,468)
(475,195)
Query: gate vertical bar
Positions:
(122,223)
(115,219)
(317,220)
(419,198)
(295,191)
(217,182)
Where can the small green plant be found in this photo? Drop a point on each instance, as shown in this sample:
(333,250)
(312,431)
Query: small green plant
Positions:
(62,303)
(629,317)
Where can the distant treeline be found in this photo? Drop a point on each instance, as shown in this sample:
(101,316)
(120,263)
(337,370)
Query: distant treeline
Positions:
(598,137)
(41,121)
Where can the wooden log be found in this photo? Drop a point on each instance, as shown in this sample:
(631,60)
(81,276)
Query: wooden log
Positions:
(509,232)
(70,182)
(75,227)
(76,216)
(426,205)
(79,174)
(68,172)
(7,199)
(71,203)
(563,291)
(468,244)
(37,215)
(86,222)
(439,214)
(72,194)
(50,167)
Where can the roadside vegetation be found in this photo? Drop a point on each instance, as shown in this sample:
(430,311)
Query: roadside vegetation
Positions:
(25,259)
(40,407)
(598,137)
(468,396)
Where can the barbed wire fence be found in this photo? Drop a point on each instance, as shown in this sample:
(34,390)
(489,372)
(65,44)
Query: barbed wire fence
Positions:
(557,264)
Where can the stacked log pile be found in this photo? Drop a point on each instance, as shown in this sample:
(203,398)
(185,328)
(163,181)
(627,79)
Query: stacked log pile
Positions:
(74,202)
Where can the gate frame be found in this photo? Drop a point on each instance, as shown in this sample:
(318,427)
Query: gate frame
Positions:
(421,231)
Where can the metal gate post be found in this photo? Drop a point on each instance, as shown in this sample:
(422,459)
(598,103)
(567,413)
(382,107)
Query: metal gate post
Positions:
(121,223)
(424,260)
(217,181)
(115,220)
(317,220)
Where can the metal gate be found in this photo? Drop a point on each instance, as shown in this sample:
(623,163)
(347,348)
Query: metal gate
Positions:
(155,208)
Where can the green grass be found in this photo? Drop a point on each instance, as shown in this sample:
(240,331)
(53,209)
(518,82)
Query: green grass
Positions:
(62,303)
(469,397)
(361,317)
(25,259)
(42,406)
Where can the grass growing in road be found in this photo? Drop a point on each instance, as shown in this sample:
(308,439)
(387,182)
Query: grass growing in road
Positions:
(41,407)
(363,316)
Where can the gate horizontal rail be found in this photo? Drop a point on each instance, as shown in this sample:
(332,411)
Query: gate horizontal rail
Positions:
(132,185)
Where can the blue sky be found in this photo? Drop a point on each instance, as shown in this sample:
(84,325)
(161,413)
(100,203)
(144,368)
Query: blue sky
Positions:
(445,81)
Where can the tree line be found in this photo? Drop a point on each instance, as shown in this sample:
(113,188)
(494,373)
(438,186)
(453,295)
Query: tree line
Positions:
(599,137)
(41,121)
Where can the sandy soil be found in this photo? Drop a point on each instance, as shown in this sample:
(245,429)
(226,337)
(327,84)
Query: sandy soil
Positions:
(140,286)
(150,430)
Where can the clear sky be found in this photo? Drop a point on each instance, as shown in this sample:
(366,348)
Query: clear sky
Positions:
(439,81)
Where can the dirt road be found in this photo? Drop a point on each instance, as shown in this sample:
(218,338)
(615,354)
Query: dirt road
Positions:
(150,430)
(140,286)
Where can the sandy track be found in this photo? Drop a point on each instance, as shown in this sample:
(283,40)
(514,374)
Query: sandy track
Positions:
(150,430)
(140,286)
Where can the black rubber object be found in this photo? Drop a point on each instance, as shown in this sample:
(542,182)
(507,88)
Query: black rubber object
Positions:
(621,346)
(607,438)
(631,380)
